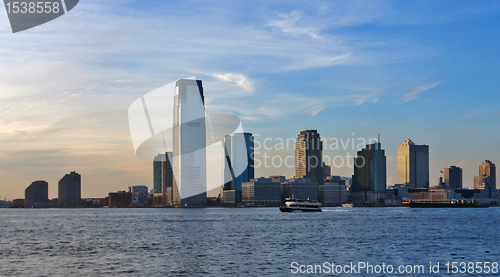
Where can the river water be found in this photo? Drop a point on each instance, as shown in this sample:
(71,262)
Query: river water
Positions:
(242,241)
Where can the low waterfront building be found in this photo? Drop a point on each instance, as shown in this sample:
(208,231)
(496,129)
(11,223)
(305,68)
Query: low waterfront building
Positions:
(228,196)
(300,189)
(487,196)
(5,204)
(262,191)
(397,194)
(119,199)
(333,194)
(140,195)
(18,203)
(138,189)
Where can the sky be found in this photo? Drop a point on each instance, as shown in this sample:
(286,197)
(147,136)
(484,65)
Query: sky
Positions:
(424,70)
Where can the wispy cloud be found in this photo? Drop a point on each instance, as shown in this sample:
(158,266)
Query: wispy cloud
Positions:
(314,110)
(289,24)
(416,93)
(476,111)
(235,78)
(369,97)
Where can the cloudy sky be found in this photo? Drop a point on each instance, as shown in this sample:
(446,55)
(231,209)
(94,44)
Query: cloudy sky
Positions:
(423,70)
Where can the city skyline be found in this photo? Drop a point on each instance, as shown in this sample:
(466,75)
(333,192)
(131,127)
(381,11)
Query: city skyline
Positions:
(364,68)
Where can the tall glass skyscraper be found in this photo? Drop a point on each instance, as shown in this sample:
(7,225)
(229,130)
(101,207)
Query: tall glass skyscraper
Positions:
(164,181)
(238,164)
(369,182)
(486,170)
(189,142)
(413,164)
(309,156)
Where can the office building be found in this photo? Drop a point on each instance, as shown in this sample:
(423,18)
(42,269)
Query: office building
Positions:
(138,189)
(300,189)
(18,203)
(327,171)
(36,193)
(309,156)
(119,199)
(165,190)
(158,173)
(278,178)
(70,190)
(488,195)
(370,176)
(453,177)
(486,170)
(396,194)
(413,164)
(238,162)
(332,194)
(189,142)
(482,182)
(261,192)
(140,196)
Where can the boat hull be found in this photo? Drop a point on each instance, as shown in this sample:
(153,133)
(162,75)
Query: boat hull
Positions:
(291,210)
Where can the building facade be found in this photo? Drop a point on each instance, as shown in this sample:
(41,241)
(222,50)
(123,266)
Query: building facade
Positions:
(486,196)
(238,162)
(300,189)
(370,176)
(453,177)
(70,190)
(37,192)
(309,156)
(486,170)
(119,199)
(327,171)
(165,189)
(189,142)
(413,164)
(261,192)
(333,194)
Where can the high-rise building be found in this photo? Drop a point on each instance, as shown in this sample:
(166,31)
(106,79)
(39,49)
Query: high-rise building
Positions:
(165,190)
(238,163)
(309,156)
(189,142)
(37,192)
(70,190)
(327,171)
(453,177)
(158,173)
(369,183)
(413,164)
(486,170)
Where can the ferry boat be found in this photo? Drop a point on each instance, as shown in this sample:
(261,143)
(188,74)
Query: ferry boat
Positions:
(348,205)
(452,203)
(296,205)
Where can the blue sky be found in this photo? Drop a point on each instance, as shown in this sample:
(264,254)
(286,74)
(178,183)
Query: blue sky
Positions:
(423,70)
